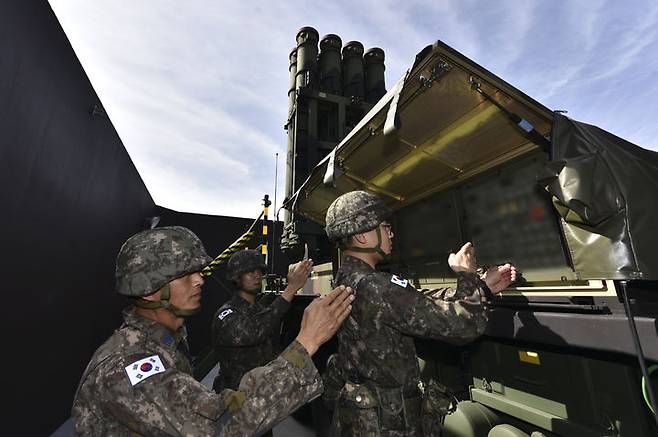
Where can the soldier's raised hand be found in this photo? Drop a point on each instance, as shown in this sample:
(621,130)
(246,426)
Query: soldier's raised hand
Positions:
(499,278)
(323,316)
(464,260)
(297,276)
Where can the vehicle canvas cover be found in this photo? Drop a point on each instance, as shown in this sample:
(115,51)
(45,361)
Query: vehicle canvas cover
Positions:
(604,188)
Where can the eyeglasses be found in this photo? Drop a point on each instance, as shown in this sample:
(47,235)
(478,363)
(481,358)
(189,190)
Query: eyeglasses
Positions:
(387,227)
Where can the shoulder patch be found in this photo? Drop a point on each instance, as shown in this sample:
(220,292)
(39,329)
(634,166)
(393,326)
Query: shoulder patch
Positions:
(225,313)
(399,281)
(144,368)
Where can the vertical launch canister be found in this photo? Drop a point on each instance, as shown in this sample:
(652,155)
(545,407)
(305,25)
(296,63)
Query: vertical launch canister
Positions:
(353,86)
(330,64)
(375,82)
(292,69)
(307,53)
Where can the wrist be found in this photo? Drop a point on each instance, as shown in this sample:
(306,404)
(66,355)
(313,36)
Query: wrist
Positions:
(308,344)
(467,274)
(461,269)
(289,293)
(485,289)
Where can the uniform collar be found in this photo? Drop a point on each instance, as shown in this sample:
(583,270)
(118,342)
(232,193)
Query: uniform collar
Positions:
(240,302)
(154,330)
(355,263)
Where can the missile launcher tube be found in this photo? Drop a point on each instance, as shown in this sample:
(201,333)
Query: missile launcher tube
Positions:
(353,85)
(292,69)
(374,74)
(330,64)
(307,54)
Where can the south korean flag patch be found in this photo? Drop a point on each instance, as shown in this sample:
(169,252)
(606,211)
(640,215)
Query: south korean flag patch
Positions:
(399,281)
(144,369)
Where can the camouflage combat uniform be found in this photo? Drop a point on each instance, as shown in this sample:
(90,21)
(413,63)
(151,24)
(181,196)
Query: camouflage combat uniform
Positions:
(139,382)
(243,335)
(376,349)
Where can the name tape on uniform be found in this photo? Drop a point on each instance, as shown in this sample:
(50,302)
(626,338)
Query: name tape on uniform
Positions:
(399,281)
(144,369)
(225,313)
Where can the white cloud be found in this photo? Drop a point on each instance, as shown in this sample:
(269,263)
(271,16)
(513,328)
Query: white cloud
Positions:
(632,43)
(197,90)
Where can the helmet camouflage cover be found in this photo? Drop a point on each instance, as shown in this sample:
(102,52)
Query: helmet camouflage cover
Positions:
(353,213)
(150,259)
(244,261)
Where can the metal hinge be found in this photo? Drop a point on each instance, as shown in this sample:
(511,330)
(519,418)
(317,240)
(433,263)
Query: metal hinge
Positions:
(440,69)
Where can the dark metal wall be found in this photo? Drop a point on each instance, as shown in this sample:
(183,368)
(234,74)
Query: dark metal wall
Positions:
(69,196)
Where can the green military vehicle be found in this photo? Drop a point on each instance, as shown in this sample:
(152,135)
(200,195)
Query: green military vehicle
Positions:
(461,155)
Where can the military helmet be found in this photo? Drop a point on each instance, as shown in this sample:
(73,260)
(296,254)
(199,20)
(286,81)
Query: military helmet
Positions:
(353,213)
(150,259)
(244,261)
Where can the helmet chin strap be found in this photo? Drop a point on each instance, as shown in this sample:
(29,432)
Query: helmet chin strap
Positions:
(252,292)
(376,249)
(165,295)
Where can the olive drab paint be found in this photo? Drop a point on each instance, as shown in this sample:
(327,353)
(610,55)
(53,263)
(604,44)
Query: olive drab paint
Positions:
(375,85)
(307,53)
(329,63)
(353,84)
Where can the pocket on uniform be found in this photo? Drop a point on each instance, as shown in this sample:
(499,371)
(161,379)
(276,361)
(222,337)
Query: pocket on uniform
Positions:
(359,395)
(437,399)
(391,404)
(437,403)
(358,411)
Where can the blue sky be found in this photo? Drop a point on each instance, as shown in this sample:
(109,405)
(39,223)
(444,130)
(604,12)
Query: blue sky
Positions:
(197,90)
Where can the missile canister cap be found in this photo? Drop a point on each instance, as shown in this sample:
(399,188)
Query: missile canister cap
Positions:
(353,48)
(374,55)
(307,33)
(331,41)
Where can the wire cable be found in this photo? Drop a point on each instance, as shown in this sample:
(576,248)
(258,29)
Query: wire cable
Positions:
(645,393)
(237,245)
(640,355)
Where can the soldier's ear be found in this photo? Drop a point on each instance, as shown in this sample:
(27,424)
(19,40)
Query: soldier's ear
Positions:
(154,297)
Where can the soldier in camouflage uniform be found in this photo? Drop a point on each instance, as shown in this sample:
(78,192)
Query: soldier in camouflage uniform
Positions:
(376,351)
(244,328)
(139,382)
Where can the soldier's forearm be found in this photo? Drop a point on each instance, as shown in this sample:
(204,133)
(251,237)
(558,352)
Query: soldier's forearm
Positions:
(283,385)
(468,286)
